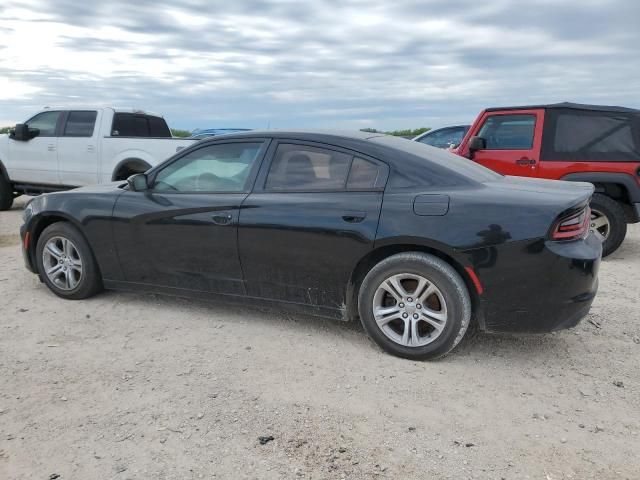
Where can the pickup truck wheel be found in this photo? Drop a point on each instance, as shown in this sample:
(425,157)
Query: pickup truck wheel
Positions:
(414,306)
(66,263)
(609,221)
(6,194)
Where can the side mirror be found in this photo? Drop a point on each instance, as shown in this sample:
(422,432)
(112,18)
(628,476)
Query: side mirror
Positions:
(138,182)
(22,133)
(477,143)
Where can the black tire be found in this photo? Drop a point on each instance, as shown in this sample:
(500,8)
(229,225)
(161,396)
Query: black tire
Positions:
(90,280)
(617,219)
(440,274)
(6,194)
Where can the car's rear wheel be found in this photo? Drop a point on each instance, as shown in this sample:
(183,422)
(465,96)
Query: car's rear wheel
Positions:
(414,305)
(609,221)
(6,194)
(66,263)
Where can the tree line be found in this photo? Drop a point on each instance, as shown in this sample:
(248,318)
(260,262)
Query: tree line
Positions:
(399,133)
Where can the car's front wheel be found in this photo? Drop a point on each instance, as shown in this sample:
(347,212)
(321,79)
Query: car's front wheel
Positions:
(66,263)
(414,305)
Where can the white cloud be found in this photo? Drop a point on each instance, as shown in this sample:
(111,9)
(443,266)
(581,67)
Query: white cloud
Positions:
(353,63)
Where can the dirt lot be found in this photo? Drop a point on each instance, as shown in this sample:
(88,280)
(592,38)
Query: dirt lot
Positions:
(141,386)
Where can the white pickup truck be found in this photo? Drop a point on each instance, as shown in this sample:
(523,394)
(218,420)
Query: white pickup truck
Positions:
(62,148)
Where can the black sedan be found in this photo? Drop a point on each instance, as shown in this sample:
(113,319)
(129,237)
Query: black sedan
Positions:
(415,241)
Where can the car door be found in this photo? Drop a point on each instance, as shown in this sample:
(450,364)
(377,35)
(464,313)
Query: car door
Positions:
(78,148)
(36,161)
(513,140)
(182,232)
(312,215)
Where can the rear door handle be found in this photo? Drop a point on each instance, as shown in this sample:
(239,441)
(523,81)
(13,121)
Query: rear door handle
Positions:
(526,161)
(354,217)
(51,148)
(224,219)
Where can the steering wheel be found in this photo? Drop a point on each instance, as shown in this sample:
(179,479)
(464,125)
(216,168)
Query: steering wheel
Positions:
(206,180)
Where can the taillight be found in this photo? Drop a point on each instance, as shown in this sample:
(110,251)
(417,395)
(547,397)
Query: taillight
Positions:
(573,227)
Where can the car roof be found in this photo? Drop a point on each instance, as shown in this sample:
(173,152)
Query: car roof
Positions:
(209,130)
(101,107)
(574,106)
(315,133)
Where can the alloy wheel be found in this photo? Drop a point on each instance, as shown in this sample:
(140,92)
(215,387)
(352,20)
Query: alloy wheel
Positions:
(600,224)
(410,310)
(62,263)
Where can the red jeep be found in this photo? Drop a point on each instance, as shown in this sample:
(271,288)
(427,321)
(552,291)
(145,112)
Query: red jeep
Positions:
(567,141)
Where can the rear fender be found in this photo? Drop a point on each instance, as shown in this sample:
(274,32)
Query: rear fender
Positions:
(629,183)
(625,182)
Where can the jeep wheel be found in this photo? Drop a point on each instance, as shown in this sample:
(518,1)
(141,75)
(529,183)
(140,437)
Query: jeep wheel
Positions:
(608,220)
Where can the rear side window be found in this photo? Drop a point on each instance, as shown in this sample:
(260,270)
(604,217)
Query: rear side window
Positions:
(363,174)
(508,132)
(577,135)
(80,124)
(303,168)
(137,125)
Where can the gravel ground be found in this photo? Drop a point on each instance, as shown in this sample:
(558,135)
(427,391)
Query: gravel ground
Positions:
(130,386)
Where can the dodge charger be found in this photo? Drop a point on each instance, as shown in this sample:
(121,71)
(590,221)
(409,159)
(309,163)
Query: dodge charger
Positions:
(415,242)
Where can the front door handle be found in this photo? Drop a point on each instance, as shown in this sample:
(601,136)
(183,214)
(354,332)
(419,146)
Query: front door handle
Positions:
(526,161)
(224,219)
(354,217)
(51,148)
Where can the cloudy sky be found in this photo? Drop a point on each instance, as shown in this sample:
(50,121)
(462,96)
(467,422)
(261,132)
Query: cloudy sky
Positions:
(335,64)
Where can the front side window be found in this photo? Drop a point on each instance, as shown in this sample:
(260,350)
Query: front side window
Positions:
(216,168)
(80,124)
(45,122)
(509,132)
(301,167)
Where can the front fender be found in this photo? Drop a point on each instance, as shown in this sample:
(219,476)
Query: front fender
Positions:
(90,212)
(4,155)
